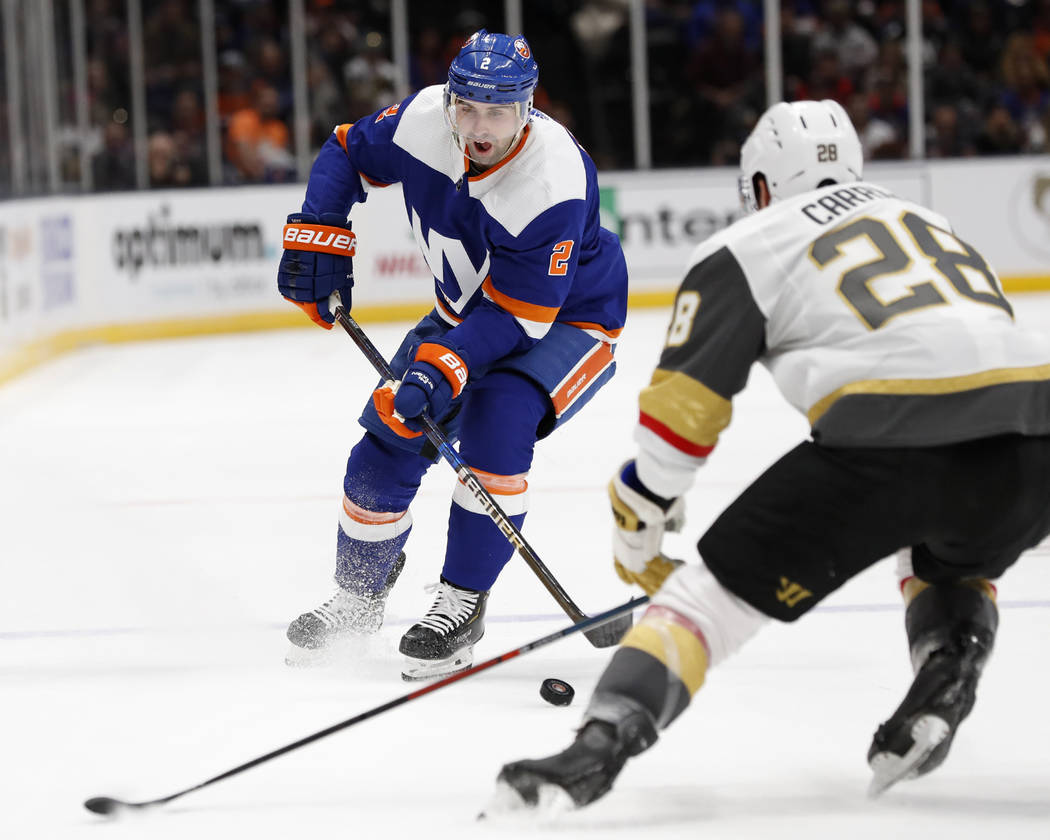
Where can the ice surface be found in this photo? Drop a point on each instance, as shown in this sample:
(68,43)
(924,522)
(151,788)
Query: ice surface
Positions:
(167,507)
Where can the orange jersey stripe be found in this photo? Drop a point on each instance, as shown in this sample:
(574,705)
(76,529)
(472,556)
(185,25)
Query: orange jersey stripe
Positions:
(576,383)
(507,159)
(520,308)
(502,485)
(340,133)
(452,316)
(587,325)
(369,517)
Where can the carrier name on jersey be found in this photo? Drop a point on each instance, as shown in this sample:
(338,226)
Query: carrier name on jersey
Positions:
(439,250)
(829,207)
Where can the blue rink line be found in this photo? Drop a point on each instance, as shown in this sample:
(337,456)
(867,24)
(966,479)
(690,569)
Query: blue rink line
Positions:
(21,635)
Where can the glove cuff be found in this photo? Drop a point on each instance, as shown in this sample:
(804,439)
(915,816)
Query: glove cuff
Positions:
(631,509)
(446,360)
(324,239)
(629,474)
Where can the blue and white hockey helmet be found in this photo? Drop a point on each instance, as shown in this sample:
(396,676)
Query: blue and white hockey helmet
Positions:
(492,67)
(488,97)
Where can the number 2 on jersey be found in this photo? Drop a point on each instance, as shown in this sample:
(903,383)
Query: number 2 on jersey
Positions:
(855,284)
(559,266)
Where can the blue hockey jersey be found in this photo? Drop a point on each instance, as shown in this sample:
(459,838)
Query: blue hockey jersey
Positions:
(512,250)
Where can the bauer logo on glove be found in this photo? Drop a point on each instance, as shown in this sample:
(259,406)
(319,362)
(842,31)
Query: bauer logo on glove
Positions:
(328,240)
(317,262)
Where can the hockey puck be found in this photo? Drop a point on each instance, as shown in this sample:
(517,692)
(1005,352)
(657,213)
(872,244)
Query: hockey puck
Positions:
(557,692)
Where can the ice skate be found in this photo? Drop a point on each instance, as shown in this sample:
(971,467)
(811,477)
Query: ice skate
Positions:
(442,643)
(580,774)
(344,615)
(916,739)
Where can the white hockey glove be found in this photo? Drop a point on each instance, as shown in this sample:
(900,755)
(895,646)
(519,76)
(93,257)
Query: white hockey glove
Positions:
(639,531)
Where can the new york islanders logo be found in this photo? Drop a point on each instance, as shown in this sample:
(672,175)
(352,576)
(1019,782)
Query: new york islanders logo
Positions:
(522,49)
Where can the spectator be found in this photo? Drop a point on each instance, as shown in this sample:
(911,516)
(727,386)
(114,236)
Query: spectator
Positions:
(1041,29)
(171,39)
(371,78)
(1027,92)
(855,47)
(878,138)
(981,43)
(165,168)
(258,142)
(950,81)
(327,107)
(271,69)
(113,168)
(999,134)
(234,93)
(797,25)
(827,80)
(944,138)
(724,75)
(888,101)
(187,131)
(427,65)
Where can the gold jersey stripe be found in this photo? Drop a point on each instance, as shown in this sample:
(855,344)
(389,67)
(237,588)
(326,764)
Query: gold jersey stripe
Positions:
(913,586)
(678,649)
(929,387)
(686,406)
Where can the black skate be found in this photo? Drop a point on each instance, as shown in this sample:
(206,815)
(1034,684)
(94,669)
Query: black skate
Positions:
(345,614)
(443,641)
(580,774)
(916,739)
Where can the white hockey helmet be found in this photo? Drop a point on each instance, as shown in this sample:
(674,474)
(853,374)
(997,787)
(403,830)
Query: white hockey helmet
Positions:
(797,147)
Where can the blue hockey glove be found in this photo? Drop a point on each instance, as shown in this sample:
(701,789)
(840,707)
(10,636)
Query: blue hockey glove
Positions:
(317,260)
(434,379)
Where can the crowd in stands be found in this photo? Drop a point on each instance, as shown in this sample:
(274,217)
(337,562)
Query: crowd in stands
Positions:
(986,76)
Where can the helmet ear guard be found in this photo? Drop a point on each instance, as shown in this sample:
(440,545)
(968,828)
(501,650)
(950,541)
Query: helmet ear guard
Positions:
(797,147)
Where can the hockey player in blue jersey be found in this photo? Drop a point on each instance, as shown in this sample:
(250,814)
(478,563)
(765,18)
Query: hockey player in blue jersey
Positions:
(530,297)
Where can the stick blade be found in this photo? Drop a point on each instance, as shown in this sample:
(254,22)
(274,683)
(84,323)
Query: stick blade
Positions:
(104,805)
(611,633)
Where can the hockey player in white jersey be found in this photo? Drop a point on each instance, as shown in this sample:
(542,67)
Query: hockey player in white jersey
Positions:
(930,417)
(530,296)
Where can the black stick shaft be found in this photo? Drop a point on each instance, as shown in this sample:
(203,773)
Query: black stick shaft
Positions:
(594,621)
(467,475)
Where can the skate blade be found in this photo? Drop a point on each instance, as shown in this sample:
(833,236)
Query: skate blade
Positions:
(927,732)
(508,803)
(415,670)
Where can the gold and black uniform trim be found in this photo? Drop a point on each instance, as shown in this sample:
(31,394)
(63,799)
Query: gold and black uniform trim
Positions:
(688,400)
(932,412)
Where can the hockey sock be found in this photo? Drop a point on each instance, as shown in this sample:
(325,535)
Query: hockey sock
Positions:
(380,483)
(477,550)
(368,546)
(660,665)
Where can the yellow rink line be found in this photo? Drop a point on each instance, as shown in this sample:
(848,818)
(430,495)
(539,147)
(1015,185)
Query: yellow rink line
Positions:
(40,350)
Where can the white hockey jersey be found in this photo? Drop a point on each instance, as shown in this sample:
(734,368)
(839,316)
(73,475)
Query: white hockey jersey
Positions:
(876,321)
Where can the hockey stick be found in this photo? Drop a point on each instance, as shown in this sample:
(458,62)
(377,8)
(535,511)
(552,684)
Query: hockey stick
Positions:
(108,805)
(600,637)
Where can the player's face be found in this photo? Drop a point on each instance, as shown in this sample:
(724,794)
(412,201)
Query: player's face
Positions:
(487,130)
